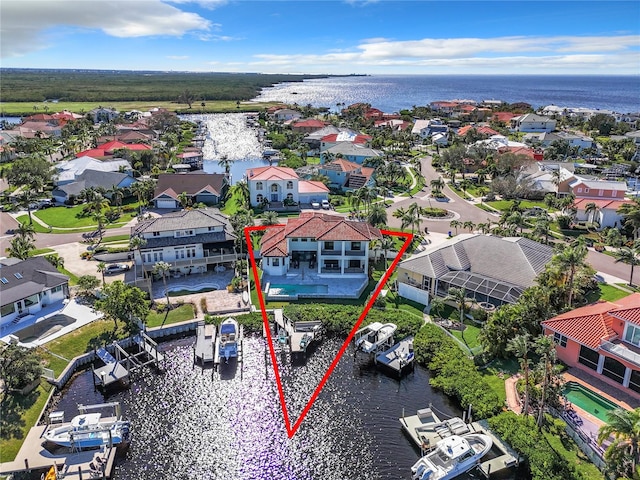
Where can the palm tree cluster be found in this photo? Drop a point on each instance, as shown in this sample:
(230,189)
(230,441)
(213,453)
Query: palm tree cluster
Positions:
(22,244)
(412,216)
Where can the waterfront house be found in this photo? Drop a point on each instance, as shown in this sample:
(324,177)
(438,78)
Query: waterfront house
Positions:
(531,122)
(545,139)
(27,286)
(350,151)
(479,130)
(282,187)
(101,114)
(67,192)
(69,170)
(427,128)
(207,188)
(191,241)
(603,340)
(344,137)
(490,269)
(314,140)
(347,176)
(328,245)
(286,114)
(308,125)
(110,148)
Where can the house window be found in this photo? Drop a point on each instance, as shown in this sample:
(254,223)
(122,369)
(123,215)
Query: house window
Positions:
(289,185)
(331,265)
(589,358)
(259,186)
(7,310)
(354,264)
(586,190)
(426,283)
(634,381)
(259,198)
(303,239)
(156,234)
(274,187)
(632,335)
(580,190)
(355,245)
(290,197)
(4,280)
(560,339)
(56,289)
(328,245)
(600,193)
(275,262)
(614,193)
(18,275)
(613,369)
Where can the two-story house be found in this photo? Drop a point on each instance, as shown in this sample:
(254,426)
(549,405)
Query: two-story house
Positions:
(347,176)
(531,122)
(328,245)
(603,340)
(349,151)
(277,186)
(191,241)
(607,196)
(27,286)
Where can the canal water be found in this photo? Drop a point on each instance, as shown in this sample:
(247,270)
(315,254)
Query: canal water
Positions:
(186,425)
(229,136)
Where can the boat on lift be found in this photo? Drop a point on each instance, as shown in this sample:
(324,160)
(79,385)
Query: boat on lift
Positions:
(375,337)
(228,343)
(452,456)
(88,430)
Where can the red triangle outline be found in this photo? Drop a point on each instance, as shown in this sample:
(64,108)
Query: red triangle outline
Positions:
(291,430)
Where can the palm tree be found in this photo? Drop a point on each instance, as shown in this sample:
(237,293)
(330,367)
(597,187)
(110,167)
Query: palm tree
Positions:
(455,224)
(556,179)
(241,189)
(469,225)
(386,244)
(102,267)
(26,230)
(377,216)
(520,346)
(622,454)
(570,260)
(270,218)
(541,228)
(459,297)
(139,190)
(225,163)
(116,195)
(56,260)
(415,215)
(631,214)
(184,199)
(162,268)
(546,348)
(20,247)
(404,216)
(437,185)
(630,256)
(101,219)
(136,243)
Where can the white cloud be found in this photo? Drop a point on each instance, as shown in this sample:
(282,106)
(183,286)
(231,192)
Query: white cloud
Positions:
(177,57)
(28,25)
(561,53)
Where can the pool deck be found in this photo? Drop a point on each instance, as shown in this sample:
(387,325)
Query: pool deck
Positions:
(347,286)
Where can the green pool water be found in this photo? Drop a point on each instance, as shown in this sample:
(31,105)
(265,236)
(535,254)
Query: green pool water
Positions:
(588,400)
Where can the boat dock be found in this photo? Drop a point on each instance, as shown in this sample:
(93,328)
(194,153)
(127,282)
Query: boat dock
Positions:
(297,335)
(398,358)
(204,349)
(218,357)
(72,464)
(119,368)
(425,430)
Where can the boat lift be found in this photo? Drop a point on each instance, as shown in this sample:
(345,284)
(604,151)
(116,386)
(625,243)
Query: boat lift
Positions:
(296,336)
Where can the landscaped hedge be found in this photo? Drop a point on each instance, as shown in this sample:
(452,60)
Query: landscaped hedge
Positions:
(523,435)
(453,372)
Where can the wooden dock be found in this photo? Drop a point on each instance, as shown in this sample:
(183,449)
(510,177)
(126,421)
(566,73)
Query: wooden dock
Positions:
(506,460)
(398,358)
(204,349)
(113,370)
(297,335)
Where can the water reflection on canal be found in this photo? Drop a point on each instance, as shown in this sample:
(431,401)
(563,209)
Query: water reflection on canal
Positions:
(187,426)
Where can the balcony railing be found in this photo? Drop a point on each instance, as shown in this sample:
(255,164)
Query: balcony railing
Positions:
(207,260)
(346,270)
(331,252)
(355,253)
(621,351)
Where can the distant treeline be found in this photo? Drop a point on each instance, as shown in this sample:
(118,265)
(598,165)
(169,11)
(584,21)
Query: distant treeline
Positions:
(32,85)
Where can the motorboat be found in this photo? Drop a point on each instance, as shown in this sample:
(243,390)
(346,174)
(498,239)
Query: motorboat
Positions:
(375,337)
(452,456)
(229,339)
(88,430)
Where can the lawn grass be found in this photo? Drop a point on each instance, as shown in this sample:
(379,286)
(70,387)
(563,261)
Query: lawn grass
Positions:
(611,293)
(177,314)
(470,335)
(566,448)
(73,278)
(231,204)
(72,217)
(24,219)
(20,413)
(41,251)
(505,205)
(115,238)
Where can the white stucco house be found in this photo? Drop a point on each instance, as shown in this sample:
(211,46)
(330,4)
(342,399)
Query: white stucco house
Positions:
(277,186)
(531,122)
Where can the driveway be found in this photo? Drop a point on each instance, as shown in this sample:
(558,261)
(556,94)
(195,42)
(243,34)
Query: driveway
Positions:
(73,263)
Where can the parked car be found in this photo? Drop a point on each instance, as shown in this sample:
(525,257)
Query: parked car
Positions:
(326,205)
(315,205)
(116,268)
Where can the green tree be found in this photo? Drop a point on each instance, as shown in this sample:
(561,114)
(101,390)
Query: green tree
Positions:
(20,247)
(546,349)
(56,260)
(125,303)
(455,224)
(162,269)
(19,366)
(102,267)
(30,170)
(631,216)
(184,199)
(87,284)
(241,190)
(377,215)
(270,218)
(136,242)
(569,261)
(521,346)
(630,256)
(622,454)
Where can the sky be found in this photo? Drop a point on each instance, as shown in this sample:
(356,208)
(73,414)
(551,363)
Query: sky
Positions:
(324,37)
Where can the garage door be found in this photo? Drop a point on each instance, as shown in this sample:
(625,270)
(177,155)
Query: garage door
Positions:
(413,293)
(166,204)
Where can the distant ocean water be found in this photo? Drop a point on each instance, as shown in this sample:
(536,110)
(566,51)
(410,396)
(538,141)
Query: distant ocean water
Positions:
(393,93)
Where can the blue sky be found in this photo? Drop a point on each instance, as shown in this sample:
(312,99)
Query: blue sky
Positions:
(337,37)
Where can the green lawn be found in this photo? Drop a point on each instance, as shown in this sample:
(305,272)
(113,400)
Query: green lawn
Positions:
(17,415)
(41,251)
(566,448)
(116,238)
(231,204)
(177,314)
(607,292)
(505,205)
(72,217)
(24,219)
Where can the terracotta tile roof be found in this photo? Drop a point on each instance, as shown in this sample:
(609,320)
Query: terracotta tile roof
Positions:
(581,203)
(312,186)
(629,309)
(504,116)
(310,122)
(482,129)
(586,325)
(318,226)
(272,173)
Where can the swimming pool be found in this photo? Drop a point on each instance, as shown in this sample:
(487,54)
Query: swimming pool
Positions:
(588,400)
(291,290)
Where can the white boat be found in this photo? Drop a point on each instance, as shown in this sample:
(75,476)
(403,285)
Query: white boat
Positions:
(87,431)
(451,457)
(374,337)
(228,342)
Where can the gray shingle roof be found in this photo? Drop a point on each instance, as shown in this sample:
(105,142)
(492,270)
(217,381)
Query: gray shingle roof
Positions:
(198,218)
(37,275)
(512,261)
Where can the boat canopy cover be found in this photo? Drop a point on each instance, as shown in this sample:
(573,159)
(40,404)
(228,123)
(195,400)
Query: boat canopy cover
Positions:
(227,328)
(85,420)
